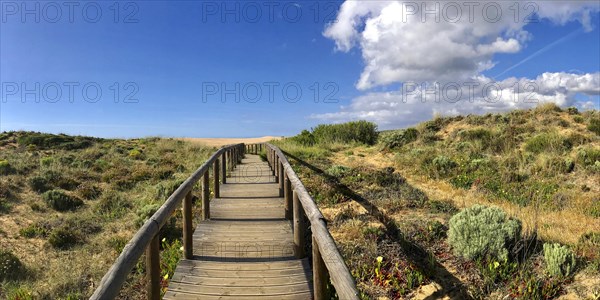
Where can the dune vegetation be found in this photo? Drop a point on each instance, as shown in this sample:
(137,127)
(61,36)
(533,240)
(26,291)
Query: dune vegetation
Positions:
(482,206)
(485,207)
(69,204)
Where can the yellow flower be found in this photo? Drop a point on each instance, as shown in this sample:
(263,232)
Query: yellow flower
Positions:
(496,264)
(164,240)
(379,259)
(166,277)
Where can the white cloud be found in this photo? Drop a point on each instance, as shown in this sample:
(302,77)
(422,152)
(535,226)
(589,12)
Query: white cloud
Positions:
(478,96)
(400,42)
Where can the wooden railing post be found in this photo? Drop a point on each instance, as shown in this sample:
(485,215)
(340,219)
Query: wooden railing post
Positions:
(205,197)
(281,180)
(277,174)
(299,227)
(153,269)
(287,192)
(320,275)
(187,226)
(224,168)
(216,178)
(272,165)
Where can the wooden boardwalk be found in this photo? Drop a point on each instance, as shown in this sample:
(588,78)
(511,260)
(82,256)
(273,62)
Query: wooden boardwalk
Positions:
(245,250)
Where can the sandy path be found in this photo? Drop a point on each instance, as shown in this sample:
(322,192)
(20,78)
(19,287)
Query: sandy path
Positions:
(217,142)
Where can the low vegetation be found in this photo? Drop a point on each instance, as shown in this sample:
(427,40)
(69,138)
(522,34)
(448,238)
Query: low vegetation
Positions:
(69,204)
(483,232)
(491,206)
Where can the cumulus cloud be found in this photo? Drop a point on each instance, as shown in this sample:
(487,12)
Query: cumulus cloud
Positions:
(445,46)
(440,41)
(414,102)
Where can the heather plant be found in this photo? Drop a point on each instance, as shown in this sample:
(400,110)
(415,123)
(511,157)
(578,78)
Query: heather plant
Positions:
(64,238)
(10,266)
(60,201)
(594,126)
(481,231)
(443,165)
(399,138)
(560,260)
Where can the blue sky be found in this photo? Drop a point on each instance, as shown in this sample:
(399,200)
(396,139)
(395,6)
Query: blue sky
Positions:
(173,52)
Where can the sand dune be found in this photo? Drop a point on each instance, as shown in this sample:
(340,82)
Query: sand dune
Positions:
(217,142)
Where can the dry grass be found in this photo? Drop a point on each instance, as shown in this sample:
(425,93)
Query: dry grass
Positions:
(139,172)
(560,211)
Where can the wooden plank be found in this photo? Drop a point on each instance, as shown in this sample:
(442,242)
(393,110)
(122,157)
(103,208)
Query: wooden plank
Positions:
(240,282)
(233,266)
(246,249)
(111,282)
(185,296)
(251,290)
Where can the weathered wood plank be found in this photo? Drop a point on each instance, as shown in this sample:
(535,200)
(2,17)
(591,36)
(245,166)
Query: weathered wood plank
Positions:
(246,249)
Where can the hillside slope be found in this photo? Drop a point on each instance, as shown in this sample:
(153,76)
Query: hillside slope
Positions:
(389,204)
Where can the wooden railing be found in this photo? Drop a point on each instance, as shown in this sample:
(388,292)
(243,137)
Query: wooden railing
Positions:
(327,262)
(146,238)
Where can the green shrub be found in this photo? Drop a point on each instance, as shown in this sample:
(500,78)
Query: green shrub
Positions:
(477,134)
(11,267)
(398,139)
(89,191)
(112,205)
(429,137)
(483,232)
(64,238)
(305,138)
(594,126)
(439,206)
(39,184)
(169,257)
(528,285)
(60,201)
(337,171)
(46,161)
(32,231)
(136,154)
(578,119)
(547,142)
(560,260)
(588,156)
(572,110)
(5,167)
(443,165)
(53,141)
(19,293)
(352,132)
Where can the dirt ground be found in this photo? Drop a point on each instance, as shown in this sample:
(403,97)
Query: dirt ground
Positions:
(217,142)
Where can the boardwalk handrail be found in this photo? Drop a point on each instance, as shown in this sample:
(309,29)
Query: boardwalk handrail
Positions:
(146,238)
(327,260)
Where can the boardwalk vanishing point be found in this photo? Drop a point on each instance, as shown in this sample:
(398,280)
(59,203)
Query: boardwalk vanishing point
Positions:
(261,236)
(245,250)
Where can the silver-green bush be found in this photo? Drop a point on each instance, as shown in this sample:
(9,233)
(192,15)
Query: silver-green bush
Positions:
(481,231)
(560,260)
